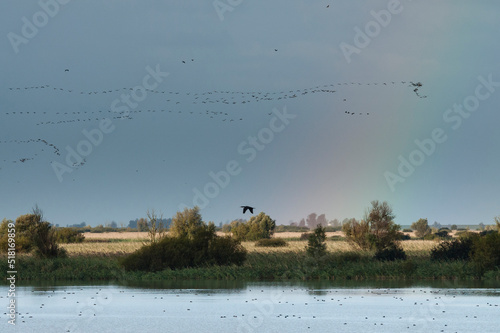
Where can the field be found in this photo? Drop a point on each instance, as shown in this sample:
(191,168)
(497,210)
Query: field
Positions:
(120,243)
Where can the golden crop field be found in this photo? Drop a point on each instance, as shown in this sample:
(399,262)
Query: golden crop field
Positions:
(115,243)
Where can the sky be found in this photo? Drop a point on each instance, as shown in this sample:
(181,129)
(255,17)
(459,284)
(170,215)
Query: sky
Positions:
(109,109)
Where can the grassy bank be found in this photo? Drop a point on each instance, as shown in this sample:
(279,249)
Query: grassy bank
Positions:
(259,266)
(98,259)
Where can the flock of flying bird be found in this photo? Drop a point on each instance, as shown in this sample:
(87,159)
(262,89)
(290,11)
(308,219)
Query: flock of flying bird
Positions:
(177,103)
(176,100)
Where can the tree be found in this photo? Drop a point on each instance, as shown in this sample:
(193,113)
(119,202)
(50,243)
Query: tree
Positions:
(383,231)
(311,221)
(258,227)
(142,224)
(357,232)
(335,223)
(185,223)
(497,221)
(156,229)
(34,234)
(436,225)
(321,220)
(454,227)
(316,246)
(376,231)
(421,228)
(239,229)
(302,223)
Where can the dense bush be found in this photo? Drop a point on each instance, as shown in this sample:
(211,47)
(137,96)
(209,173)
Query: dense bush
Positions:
(194,244)
(258,227)
(185,223)
(32,235)
(391,253)
(456,249)
(421,228)
(271,242)
(305,235)
(443,233)
(175,253)
(68,235)
(487,232)
(486,252)
(404,236)
(483,251)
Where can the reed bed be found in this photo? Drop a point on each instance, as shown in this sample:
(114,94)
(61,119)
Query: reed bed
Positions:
(101,249)
(417,248)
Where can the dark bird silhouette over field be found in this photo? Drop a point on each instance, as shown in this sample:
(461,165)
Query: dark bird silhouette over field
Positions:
(245,208)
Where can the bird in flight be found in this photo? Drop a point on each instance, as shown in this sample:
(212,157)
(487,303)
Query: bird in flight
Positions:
(245,208)
(66,70)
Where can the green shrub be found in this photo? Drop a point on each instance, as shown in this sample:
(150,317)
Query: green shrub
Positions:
(456,249)
(421,228)
(404,236)
(431,237)
(391,253)
(487,232)
(32,234)
(443,233)
(271,242)
(305,236)
(486,252)
(258,227)
(68,235)
(202,248)
(226,251)
(407,230)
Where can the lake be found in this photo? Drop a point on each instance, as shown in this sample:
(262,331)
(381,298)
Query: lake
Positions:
(222,306)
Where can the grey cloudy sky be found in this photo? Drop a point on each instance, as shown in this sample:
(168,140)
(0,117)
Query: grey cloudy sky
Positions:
(275,94)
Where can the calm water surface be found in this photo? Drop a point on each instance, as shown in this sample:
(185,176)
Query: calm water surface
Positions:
(254,307)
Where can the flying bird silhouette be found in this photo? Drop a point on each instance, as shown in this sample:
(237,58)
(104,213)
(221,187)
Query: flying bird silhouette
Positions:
(245,208)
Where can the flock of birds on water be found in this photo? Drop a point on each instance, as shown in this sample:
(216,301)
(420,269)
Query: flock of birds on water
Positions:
(306,309)
(174,102)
